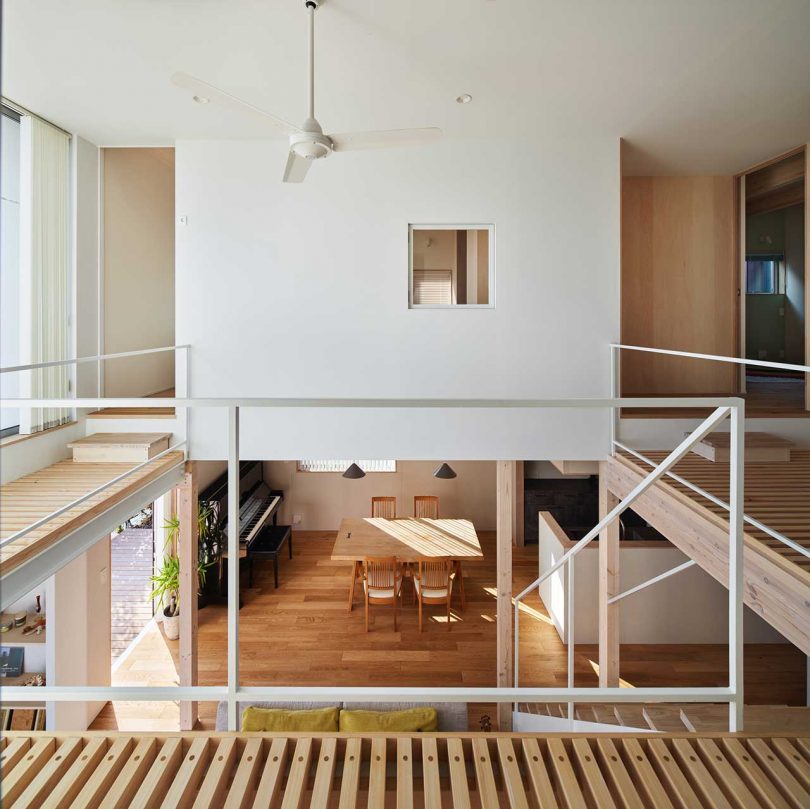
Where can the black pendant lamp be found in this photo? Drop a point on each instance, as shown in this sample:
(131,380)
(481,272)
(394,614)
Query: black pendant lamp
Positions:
(445,472)
(354,472)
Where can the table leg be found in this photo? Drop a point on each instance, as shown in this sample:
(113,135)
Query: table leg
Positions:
(351,586)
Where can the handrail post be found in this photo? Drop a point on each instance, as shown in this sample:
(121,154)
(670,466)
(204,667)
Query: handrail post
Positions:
(233,567)
(735,566)
(569,630)
(614,394)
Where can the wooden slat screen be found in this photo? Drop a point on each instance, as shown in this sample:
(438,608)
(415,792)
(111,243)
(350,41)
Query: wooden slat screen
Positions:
(433,770)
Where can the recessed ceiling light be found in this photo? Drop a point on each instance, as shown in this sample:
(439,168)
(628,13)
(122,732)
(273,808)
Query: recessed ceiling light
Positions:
(201,99)
(466,98)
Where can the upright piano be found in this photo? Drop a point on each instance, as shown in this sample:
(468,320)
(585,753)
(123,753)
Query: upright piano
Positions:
(260,535)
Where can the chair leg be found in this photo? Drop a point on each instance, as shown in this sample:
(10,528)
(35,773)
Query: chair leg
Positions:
(366,612)
(396,598)
(275,571)
(351,586)
(420,613)
(448,612)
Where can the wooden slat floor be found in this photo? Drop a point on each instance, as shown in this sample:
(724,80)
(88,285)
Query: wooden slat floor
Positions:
(776,494)
(131,558)
(405,770)
(302,634)
(30,498)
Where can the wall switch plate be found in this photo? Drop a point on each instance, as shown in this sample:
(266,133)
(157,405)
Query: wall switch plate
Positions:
(183,220)
(296,519)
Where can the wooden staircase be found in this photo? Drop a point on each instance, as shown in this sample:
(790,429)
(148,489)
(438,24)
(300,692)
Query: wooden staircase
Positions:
(119,447)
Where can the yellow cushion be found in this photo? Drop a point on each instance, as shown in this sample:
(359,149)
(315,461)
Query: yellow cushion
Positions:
(407,721)
(278,719)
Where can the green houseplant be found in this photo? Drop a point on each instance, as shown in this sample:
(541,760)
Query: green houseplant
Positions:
(167,579)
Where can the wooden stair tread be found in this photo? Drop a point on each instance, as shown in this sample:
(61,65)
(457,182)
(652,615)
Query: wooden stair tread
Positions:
(120,440)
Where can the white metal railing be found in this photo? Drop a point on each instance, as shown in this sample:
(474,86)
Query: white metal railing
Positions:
(736,472)
(98,359)
(616,348)
(234,692)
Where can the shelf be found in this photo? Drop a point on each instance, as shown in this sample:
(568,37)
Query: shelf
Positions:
(15,637)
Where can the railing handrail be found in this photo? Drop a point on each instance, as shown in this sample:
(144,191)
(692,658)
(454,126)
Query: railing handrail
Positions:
(95,358)
(784,366)
(662,402)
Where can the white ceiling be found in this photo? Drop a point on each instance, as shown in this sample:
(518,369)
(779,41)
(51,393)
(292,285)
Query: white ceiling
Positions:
(694,86)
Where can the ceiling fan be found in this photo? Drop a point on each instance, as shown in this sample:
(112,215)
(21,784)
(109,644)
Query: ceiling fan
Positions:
(307,142)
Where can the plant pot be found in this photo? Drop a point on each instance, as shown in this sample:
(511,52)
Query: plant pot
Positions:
(171,624)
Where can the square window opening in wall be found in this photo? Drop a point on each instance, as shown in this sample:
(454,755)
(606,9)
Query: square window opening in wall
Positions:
(451,266)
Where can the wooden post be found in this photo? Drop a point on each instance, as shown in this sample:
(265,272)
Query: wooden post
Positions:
(189,585)
(608,587)
(505,481)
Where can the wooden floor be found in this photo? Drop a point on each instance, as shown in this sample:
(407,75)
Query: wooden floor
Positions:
(405,770)
(28,499)
(302,634)
(776,494)
(131,558)
(765,397)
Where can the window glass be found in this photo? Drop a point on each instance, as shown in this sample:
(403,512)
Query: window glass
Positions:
(451,265)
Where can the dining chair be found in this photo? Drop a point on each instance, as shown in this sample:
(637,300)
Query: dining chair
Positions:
(384,507)
(382,583)
(426,507)
(433,584)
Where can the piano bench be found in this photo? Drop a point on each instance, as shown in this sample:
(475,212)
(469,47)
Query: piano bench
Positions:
(268,544)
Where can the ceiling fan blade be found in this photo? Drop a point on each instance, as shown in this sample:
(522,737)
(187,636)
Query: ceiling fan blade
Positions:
(296,169)
(203,89)
(347,141)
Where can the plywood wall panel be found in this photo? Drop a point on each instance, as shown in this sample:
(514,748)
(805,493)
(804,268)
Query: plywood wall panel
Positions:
(679,286)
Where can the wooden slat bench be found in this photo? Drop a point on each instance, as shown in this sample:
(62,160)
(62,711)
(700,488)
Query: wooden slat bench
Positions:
(378,770)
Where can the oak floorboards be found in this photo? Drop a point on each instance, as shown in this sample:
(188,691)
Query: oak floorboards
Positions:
(302,634)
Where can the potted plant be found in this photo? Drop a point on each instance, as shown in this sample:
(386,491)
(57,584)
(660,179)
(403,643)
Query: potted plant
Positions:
(210,543)
(167,580)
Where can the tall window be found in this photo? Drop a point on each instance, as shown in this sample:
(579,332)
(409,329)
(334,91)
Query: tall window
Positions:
(10,266)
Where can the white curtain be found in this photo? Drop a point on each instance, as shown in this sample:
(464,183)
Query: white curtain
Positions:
(44,267)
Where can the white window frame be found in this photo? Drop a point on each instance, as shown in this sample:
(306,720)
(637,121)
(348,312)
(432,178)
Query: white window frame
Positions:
(339,467)
(491,259)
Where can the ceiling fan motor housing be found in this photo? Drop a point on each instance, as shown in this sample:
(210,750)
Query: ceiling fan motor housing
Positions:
(310,143)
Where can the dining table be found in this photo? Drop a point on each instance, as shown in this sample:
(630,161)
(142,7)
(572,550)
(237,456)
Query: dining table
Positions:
(409,540)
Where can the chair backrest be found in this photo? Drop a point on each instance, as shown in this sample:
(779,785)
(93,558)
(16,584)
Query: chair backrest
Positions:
(434,573)
(381,572)
(384,507)
(426,507)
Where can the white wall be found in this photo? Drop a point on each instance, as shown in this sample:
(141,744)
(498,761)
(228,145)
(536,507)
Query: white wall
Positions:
(138,268)
(302,290)
(323,499)
(690,607)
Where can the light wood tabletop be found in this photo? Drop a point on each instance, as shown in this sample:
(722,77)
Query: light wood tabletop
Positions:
(407,539)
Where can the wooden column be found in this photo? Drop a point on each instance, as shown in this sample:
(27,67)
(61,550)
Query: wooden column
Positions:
(505,482)
(608,587)
(189,584)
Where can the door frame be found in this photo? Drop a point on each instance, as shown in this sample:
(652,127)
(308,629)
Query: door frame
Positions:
(739,186)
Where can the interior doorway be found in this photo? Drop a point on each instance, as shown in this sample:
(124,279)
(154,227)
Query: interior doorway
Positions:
(773,284)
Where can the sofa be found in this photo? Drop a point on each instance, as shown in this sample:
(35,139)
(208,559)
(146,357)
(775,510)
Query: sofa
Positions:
(452,716)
